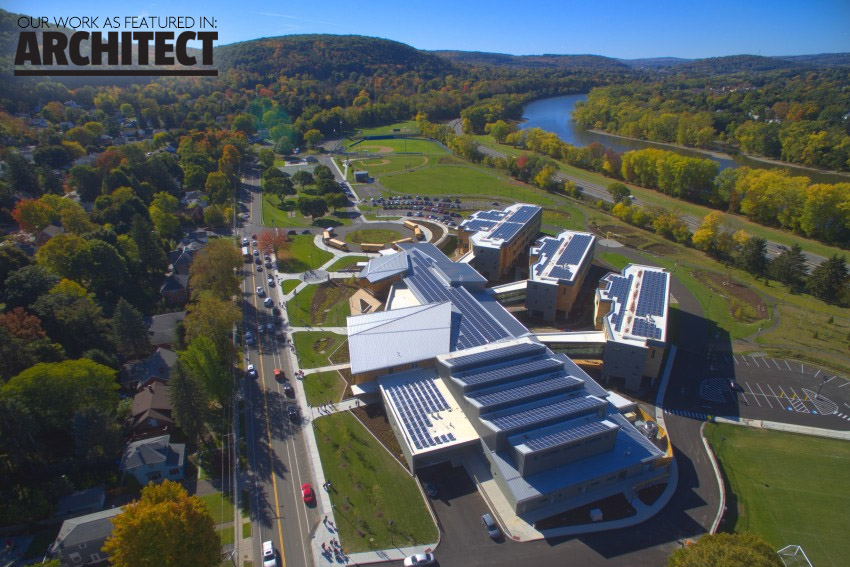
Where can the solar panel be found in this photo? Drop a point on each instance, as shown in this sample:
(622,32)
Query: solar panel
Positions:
(523,214)
(507,372)
(494,355)
(562,409)
(547,249)
(507,231)
(561,273)
(575,250)
(511,394)
(489,215)
(474,225)
(643,328)
(653,294)
(567,436)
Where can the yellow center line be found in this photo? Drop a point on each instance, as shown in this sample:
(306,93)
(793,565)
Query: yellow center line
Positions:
(268,424)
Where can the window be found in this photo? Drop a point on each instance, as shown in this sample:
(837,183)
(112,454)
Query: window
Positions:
(95,557)
(174,472)
(75,558)
(82,546)
(156,475)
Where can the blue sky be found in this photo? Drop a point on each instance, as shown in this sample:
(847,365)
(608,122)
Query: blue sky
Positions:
(616,28)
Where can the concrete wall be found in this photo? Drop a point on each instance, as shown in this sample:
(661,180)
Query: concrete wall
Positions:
(626,361)
(528,464)
(541,299)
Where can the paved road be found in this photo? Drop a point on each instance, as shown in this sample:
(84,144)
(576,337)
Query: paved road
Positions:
(596,191)
(276,449)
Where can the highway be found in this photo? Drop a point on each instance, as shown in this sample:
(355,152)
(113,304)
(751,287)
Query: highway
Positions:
(596,191)
(277,455)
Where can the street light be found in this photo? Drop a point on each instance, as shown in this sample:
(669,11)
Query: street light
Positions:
(390,524)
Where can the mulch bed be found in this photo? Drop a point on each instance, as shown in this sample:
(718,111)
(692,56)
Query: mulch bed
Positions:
(726,286)
(374,418)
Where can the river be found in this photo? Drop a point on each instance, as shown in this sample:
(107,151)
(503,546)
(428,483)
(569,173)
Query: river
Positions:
(555,115)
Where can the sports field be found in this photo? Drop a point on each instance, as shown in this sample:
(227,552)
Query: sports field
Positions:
(790,489)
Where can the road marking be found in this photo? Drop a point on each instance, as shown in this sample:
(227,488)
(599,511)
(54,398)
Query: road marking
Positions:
(797,402)
(755,397)
(828,381)
(774,395)
(816,374)
(801,368)
(776,363)
(765,395)
(844,384)
(735,359)
(756,361)
(744,358)
(788,365)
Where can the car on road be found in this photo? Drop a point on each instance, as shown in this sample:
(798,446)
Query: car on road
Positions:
(288,390)
(268,265)
(254,243)
(270,327)
(260,291)
(292,232)
(259,266)
(244,242)
(270,281)
(256,253)
(292,411)
(258,261)
(279,375)
(254,237)
(252,372)
(249,338)
(430,489)
(275,311)
(305,231)
(307,493)
(782,247)
(492,529)
(269,559)
(420,559)
(495,203)
(269,302)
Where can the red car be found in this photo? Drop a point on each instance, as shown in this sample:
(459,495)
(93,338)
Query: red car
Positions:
(307,493)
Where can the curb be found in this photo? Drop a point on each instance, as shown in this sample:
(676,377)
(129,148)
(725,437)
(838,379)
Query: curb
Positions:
(721,508)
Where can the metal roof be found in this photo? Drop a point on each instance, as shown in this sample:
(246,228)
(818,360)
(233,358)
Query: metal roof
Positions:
(399,336)
(88,528)
(384,267)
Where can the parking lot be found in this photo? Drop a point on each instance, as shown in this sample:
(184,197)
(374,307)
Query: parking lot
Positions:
(775,389)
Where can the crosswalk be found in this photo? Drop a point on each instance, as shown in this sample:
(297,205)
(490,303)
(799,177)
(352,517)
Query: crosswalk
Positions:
(843,416)
(686,413)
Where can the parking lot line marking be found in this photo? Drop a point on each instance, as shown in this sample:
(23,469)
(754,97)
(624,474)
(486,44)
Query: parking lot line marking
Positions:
(765,395)
(734,359)
(776,363)
(828,380)
(788,365)
(755,397)
(774,395)
(801,368)
(816,373)
(844,384)
(756,361)
(744,358)
(846,404)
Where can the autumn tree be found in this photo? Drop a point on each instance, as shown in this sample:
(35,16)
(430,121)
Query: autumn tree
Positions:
(24,343)
(619,192)
(214,269)
(33,215)
(164,528)
(726,550)
(214,318)
(312,137)
(273,241)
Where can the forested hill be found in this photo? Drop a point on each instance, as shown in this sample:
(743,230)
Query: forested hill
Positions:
(327,56)
(736,64)
(585,62)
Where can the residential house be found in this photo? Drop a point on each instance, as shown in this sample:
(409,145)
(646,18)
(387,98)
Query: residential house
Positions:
(80,539)
(81,502)
(47,233)
(154,460)
(157,365)
(163,329)
(175,289)
(151,413)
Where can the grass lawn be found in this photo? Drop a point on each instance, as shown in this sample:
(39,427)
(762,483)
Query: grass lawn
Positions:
(369,489)
(289,285)
(324,386)
(322,304)
(345,262)
(303,255)
(220,506)
(246,530)
(276,214)
(226,535)
(389,164)
(399,145)
(787,488)
(320,348)
(373,235)
(406,127)
(617,260)
(565,217)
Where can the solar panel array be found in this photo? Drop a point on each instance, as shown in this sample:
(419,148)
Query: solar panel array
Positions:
(474,225)
(653,294)
(567,436)
(488,356)
(551,385)
(619,289)
(506,231)
(534,366)
(490,215)
(523,214)
(643,328)
(477,327)
(546,251)
(562,409)
(415,401)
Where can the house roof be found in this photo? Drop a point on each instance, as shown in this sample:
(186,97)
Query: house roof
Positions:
(157,365)
(162,329)
(152,402)
(152,452)
(175,282)
(401,336)
(83,529)
(90,499)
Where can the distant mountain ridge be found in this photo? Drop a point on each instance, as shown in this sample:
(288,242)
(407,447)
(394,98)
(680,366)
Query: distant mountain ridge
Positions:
(583,61)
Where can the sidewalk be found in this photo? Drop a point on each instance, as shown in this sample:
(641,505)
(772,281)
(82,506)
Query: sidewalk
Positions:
(786,427)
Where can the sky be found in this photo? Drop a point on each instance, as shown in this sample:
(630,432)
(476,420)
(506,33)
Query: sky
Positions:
(626,29)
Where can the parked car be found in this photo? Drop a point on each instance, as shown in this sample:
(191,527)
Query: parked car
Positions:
(244,242)
(258,261)
(293,413)
(275,311)
(492,528)
(288,390)
(249,338)
(269,559)
(252,372)
(430,489)
(270,281)
(256,252)
(259,266)
(260,291)
(307,493)
(420,559)
(305,231)
(269,302)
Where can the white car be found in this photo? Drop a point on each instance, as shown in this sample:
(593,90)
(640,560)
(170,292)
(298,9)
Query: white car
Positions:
(244,242)
(419,559)
(269,559)
(260,291)
(252,372)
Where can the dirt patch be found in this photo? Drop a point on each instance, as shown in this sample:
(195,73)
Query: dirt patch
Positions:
(660,249)
(326,296)
(374,418)
(744,304)
(377,149)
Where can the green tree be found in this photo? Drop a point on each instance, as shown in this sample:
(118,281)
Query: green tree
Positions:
(322,172)
(499,130)
(828,278)
(75,321)
(619,192)
(203,362)
(218,187)
(310,206)
(266,157)
(752,256)
(215,216)
(302,178)
(189,401)
(25,286)
(86,181)
(129,331)
(21,174)
(213,318)
(312,137)
(164,528)
(214,269)
(726,550)
(790,267)
(336,201)
(246,123)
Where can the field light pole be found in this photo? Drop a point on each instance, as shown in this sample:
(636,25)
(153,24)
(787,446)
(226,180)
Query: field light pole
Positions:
(390,524)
